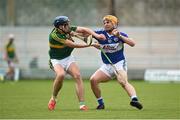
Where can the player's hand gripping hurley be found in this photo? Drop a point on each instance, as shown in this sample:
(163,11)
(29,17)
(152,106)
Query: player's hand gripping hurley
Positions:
(88,40)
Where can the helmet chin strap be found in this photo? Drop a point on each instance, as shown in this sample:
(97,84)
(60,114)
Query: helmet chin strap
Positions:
(109,31)
(66,33)
(63,30)
(114,27)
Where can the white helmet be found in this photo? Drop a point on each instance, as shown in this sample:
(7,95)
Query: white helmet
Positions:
(11,36)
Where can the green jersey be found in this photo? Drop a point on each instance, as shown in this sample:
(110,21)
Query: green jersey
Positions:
(10,49)
(58,50)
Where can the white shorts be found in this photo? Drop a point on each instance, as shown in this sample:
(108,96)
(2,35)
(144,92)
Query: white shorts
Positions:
(65,63)
(109,71)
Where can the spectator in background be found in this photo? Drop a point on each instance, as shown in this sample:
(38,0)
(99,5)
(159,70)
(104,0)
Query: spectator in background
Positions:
(34,62)
(11,57)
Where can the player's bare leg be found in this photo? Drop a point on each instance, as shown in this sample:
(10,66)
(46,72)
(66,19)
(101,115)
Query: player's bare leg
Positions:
(74,71)
(95,79)
(57,85)
(123,80)
(10,73)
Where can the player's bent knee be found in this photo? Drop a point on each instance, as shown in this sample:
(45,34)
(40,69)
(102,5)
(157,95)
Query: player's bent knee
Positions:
(77,76)
(93,78)
(93,81)
(60,76)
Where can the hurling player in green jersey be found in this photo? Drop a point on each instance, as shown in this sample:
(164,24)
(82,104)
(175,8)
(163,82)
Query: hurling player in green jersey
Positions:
(10,57)
(61,46)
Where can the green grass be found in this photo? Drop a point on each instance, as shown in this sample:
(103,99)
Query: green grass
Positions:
(28,100)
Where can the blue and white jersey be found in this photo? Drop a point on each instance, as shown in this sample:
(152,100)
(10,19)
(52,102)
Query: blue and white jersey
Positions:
(112,46)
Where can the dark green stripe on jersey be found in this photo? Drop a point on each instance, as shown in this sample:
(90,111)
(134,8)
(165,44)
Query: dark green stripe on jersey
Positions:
(10,49)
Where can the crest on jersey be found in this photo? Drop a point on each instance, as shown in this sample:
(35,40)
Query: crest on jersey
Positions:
(115,39)
(109,41)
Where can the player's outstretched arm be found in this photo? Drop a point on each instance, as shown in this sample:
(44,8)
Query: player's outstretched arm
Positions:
(71,44)
(86,31)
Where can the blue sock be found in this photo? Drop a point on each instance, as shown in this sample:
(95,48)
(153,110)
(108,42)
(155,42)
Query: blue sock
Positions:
(100,101)
(134,98)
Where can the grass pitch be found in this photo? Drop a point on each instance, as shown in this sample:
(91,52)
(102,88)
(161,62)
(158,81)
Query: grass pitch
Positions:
(27,99)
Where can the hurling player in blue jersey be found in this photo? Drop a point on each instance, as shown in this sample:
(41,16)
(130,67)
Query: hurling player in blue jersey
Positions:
(113,47)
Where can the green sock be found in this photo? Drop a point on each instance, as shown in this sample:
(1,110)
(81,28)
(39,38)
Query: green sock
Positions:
(81,103)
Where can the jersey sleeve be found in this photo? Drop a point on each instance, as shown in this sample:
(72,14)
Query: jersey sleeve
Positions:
(98,32)
(73,28)
(123,34)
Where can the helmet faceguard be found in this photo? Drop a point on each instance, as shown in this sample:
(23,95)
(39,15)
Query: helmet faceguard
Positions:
(111,18)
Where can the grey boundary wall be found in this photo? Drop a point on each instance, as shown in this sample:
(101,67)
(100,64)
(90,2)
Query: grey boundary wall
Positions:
(83,12)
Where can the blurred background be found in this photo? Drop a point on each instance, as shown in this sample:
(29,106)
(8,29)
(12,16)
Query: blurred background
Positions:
(154,24)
